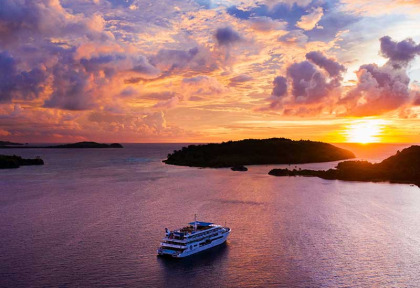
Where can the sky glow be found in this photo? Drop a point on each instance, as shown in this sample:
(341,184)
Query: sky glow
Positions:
(209,71)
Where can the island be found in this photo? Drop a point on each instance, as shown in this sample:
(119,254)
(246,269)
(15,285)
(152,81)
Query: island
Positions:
(13,161)
(257,152)
(87,145)
(8,143)
(403,167)
(239,168)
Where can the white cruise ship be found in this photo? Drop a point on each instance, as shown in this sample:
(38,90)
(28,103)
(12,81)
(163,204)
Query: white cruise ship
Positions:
(196,237)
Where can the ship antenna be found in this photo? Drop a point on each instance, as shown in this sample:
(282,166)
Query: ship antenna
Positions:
(195,222)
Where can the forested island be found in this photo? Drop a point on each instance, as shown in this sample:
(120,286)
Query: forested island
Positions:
(257,151)
(7,161)
(403,167)
(8,143)
(87,145)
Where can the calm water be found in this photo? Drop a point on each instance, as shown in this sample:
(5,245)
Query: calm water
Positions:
(94,218)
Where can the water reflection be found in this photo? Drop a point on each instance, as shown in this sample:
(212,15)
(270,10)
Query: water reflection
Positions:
(192,269)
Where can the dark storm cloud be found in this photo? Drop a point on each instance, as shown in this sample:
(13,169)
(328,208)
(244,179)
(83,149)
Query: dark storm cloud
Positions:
(333,68)
(227,36)
(404,51)
(280,86)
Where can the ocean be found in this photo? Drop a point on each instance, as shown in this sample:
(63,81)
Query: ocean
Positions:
(95,217)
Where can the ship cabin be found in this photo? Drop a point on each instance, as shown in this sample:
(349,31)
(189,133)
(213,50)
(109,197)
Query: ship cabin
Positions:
(193,231)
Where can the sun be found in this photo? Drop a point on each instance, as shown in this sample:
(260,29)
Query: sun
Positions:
(365,131)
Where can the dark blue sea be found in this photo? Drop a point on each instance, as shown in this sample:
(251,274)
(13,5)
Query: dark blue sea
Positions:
(94,218)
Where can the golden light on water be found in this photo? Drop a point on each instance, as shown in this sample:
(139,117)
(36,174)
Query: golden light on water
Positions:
(365,131)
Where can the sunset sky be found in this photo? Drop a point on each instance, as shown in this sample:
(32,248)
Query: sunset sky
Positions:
(209,71)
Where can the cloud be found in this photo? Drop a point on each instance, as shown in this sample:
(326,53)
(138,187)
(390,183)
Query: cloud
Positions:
(73,89)
(25,21)
(333,68)
(294,36)
(167,104)
(403,51)
(201,85)
(378,90)
(197,59)
(381,89)
(416,101)
(311,87)
(289,12)
(264,24)
(308,83)
(16,84)
(278,93)
(227,36)
(145,69)
(332,22)
(309,21)
(240,79)
(280,86)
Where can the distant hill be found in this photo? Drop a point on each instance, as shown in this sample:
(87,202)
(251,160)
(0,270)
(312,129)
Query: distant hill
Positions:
(255,151)
(87,145)
(403,167)
(8,143)
(14,161)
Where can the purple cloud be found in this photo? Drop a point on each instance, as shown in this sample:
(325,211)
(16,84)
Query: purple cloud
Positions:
(72,90)
(416,101)
(227,36)
(280,86)
(240,79)
(142,66)
(308,83)
(333,68)
(381,89)
(403,51)
(18,85)
(294,36)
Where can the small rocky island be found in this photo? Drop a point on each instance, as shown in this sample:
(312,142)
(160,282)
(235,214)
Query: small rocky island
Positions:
(403,167)
(240,168)
(257,151)
(87,145)
(7,161)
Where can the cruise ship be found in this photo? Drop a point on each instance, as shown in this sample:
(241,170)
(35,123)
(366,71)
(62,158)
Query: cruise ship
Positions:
(196,237)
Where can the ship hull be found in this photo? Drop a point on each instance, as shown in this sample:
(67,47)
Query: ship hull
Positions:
(189,252)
